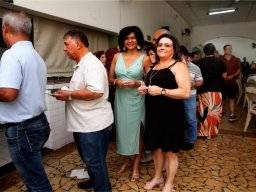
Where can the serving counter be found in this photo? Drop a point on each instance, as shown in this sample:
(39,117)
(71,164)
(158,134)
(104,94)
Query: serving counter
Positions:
(56,116)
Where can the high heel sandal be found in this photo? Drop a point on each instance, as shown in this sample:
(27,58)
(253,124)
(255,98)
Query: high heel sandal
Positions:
(123,168)
(135,176)
(169,190)
(153,183)
(166,189)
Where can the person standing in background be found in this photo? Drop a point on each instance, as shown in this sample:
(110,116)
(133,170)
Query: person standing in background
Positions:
(209,95)
(89,114)
(101,56)
(230,88)
(23,79)
(190,103)
(245,68)
(109,57)
(127,74)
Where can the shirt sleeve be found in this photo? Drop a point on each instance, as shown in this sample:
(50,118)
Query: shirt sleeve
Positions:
(10,72)
(198,74)
(95,77)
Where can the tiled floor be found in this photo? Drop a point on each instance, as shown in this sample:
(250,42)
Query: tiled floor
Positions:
(4,157)
(226,163)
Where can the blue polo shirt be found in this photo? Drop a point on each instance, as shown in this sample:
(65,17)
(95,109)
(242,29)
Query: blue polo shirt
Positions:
(22,68)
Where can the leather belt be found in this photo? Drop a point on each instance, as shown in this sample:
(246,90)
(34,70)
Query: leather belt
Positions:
(7,125)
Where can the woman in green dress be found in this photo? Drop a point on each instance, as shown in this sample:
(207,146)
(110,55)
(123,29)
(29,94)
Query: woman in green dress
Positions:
(127,74)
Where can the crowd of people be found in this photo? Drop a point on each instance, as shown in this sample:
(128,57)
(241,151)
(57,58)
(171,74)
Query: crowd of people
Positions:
(159,100)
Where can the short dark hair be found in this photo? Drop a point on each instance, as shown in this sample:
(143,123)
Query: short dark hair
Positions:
(175,42)
(227,45)
(99,53)
(127,31)
(183,50)
(78,35)
(150,47)
(209,49)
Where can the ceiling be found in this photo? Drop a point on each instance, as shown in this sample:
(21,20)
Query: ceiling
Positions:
(195,12)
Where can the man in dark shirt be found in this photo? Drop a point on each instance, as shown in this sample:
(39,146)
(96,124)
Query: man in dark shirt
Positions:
(245,68)
(233,70)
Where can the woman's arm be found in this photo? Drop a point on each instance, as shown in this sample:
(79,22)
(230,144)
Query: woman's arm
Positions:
(182,76)
(146,64)
(112,75)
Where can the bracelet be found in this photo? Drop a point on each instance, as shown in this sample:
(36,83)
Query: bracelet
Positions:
(114,82)
(141,82)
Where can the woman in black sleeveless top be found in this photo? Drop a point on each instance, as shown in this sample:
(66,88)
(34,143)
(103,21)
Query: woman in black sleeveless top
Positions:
(168,83)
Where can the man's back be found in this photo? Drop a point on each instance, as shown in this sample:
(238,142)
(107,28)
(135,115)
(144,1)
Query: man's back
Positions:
(212,69)
(23,69)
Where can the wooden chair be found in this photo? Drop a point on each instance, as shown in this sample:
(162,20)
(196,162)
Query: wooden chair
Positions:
(250,93)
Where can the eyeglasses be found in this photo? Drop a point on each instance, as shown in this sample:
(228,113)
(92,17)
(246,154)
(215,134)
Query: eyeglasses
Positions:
(166,45)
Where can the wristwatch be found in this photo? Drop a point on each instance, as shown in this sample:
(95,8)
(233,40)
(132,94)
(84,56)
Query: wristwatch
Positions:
(69,96)
(163,91)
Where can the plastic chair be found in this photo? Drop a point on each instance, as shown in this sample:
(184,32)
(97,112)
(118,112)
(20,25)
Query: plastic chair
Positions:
(240,90)
(250,93)
(247,84)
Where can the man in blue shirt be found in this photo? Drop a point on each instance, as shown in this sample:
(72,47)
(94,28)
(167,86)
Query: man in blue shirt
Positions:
(23,80)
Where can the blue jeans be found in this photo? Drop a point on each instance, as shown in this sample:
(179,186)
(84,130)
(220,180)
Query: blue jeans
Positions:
(25,142)
(191,121)
(93,148)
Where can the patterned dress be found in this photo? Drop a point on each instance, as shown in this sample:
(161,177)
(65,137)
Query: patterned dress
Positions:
(210,113)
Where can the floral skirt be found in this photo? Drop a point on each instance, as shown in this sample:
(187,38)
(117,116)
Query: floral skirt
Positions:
(209,113)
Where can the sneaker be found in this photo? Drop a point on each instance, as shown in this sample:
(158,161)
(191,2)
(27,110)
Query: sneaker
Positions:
(85,184)
(232,118)
(147,158)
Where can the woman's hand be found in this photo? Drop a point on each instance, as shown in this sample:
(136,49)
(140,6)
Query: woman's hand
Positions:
(154,90)
(120,83)
(126,84)
(142,90)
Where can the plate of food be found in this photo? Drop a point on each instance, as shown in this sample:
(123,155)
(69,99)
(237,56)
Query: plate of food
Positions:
(51,92)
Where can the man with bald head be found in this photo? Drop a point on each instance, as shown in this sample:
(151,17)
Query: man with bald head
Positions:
(158,33)
(152,51)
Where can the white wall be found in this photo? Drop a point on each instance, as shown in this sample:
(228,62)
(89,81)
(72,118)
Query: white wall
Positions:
(241,47)
(201,34)
(240,35)
(103,14)
(112,15)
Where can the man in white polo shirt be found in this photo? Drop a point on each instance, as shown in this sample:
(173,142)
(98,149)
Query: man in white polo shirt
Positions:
(89,114)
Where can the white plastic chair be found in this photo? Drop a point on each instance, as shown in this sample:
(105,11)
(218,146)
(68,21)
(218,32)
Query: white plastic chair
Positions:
(250,93)
(240,90)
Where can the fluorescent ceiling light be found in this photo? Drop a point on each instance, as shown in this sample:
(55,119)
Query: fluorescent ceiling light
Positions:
(221,11)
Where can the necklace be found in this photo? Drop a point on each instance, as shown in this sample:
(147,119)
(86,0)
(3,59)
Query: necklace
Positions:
(154,72)
(152,75)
